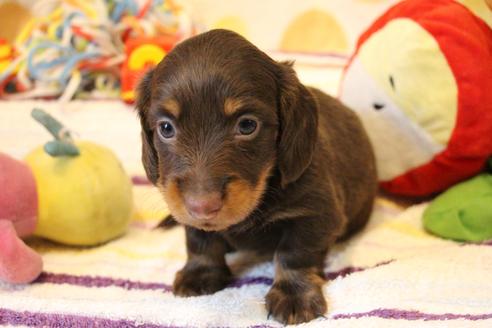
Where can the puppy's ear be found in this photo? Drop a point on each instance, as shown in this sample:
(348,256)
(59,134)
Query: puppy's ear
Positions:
(149,154)
(298,116)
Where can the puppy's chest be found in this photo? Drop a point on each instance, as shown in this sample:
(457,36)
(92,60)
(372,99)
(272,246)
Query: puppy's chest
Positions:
(259,239)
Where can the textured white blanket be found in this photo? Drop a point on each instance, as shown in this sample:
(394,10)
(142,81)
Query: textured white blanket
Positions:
(392,274)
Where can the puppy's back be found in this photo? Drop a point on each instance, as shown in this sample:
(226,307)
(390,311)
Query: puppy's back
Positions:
(347,156)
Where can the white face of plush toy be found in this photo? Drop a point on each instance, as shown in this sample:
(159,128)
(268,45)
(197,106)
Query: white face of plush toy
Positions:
(404,91)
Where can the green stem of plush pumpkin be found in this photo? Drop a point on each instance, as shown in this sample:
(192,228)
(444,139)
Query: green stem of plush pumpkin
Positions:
(63,144)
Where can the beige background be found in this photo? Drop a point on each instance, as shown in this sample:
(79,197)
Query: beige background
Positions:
(294,25)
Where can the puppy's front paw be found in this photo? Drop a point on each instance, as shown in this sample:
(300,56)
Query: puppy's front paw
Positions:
(294,303)
(201,280)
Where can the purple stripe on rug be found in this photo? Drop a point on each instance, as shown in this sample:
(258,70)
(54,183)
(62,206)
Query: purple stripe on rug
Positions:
(247,281)
(348,270)
(139,180)
(328,275)
(95,281)
(36,319)
(412,315)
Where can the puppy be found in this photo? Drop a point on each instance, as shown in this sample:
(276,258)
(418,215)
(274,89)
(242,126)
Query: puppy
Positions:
(247,158)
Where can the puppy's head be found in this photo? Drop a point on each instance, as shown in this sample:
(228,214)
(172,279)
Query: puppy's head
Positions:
(218,118)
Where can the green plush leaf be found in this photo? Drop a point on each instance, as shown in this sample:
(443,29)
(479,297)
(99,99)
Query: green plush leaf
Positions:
(53,126)
(60,148)
(63,144)
(464,212)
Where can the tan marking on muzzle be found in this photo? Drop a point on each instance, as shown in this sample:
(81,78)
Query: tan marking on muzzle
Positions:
(240,200)
(174,201)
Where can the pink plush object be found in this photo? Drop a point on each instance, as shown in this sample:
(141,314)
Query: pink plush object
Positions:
(18,216)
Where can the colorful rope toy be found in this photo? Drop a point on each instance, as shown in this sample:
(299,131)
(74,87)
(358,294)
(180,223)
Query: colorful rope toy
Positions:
(81,48)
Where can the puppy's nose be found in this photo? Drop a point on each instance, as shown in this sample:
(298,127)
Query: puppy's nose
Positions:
(204,206)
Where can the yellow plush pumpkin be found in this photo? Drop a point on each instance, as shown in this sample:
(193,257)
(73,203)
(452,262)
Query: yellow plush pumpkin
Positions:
(85,196)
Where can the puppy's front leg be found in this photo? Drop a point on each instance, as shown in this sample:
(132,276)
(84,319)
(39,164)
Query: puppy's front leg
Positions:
(205,271)
(296,295)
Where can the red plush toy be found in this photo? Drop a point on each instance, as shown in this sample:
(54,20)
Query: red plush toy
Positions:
(421,81)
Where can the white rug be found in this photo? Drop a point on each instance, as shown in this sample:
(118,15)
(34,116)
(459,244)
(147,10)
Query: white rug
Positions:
(393,274)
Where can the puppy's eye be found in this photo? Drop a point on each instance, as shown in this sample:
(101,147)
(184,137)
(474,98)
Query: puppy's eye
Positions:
(246,126)
(166,130)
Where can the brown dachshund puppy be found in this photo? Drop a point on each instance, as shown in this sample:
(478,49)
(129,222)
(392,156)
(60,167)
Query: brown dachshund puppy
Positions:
(248,158)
